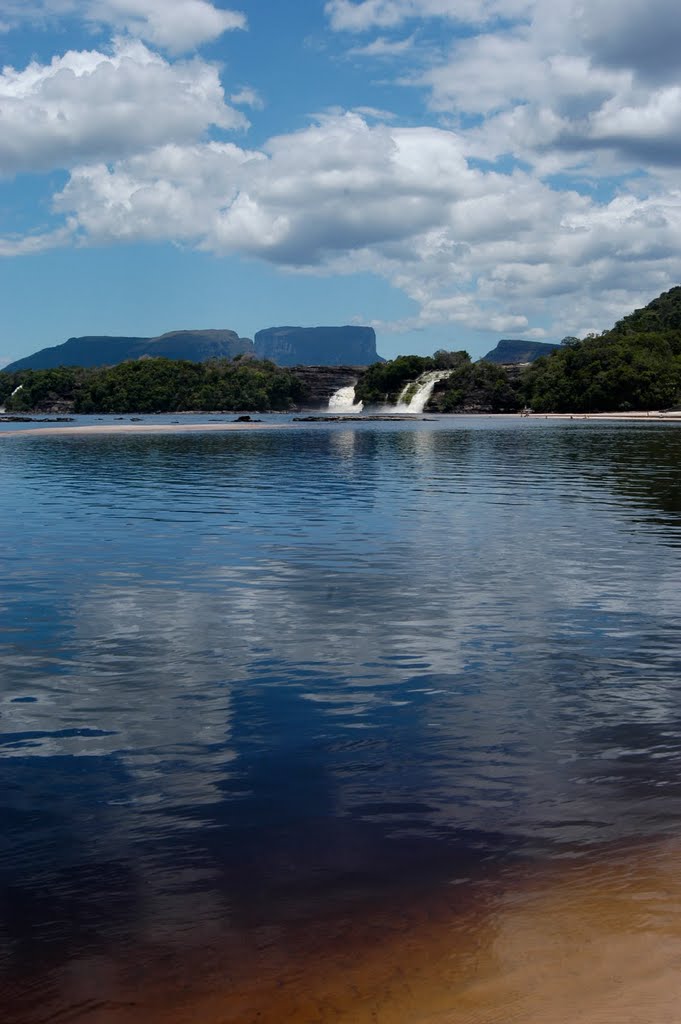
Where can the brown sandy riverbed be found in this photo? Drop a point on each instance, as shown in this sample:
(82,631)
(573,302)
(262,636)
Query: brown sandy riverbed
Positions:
(595,942)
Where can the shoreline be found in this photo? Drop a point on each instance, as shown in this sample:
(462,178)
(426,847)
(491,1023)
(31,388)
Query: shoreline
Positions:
(594,939)
(138,428)
(179,428)
(654,416)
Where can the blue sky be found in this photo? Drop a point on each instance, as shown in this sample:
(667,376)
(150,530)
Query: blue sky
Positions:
(450,172)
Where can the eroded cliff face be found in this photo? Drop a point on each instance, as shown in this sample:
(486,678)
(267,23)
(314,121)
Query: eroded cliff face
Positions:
(321,382)
(317,346)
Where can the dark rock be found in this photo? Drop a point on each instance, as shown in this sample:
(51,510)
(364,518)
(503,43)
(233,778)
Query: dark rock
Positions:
(321,382)
(35,419)
(509,351)
(317,346)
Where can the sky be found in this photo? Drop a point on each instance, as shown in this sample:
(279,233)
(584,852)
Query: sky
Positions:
(450,172)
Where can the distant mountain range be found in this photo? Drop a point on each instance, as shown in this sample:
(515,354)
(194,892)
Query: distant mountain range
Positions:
(510,351)
(286,346)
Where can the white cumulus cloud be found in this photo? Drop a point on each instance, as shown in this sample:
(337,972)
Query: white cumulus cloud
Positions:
(470,247)
(88,105)
(177,25)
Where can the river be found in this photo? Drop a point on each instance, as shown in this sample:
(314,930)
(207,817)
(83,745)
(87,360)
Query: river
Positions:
(342,723)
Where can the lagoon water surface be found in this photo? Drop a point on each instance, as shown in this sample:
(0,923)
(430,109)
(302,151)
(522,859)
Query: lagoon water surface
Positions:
(342,723)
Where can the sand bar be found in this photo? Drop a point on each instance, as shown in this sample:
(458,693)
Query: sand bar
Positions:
(638,417)
(138,428)
(87,429)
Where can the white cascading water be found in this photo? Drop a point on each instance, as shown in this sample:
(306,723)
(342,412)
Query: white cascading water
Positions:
(343,400)
(423,390)
(17,390)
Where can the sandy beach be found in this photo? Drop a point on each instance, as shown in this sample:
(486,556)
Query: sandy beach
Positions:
(87,429)
(638,417)
(138,428)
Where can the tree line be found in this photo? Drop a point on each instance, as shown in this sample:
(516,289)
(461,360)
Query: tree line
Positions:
(155,385)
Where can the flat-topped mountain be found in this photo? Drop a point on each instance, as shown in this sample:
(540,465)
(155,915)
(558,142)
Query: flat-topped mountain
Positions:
(94,350)
(285,346)
(318,346)
(510,351)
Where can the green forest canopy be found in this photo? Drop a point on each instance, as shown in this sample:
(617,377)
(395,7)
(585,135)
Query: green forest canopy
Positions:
(634,366)
(156,385)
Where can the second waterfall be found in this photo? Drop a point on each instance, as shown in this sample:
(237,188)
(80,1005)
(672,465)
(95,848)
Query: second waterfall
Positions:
(414,396)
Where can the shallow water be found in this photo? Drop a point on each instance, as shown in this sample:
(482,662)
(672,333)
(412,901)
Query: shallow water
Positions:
(376,722)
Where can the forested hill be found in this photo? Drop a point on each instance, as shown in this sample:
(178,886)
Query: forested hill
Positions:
(634,366)
(662,314)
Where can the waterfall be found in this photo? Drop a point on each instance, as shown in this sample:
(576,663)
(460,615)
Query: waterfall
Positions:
(414,396)
(343,400)
(17,390)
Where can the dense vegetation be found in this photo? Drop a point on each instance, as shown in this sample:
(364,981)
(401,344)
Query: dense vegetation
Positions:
(383,382)
(636,365)
(470,386)
(155,385)
(479,386)
(610,373)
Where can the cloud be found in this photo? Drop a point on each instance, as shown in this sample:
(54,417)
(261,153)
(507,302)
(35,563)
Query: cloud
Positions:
(483,217)
(88,105)
(247,97)
(383,47)
(31,244)
(177,25)
(363,15)
(176,193)
(644,35)
(559,86)
(470,247)
(645,133)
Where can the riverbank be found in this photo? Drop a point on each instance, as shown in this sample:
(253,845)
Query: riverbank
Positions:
(86,429)
(645,417)
(139,428)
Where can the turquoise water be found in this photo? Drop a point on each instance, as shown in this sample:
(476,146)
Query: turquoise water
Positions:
(249,679)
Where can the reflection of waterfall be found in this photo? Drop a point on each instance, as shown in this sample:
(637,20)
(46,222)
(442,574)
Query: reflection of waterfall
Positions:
(414,396)
(343,400)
